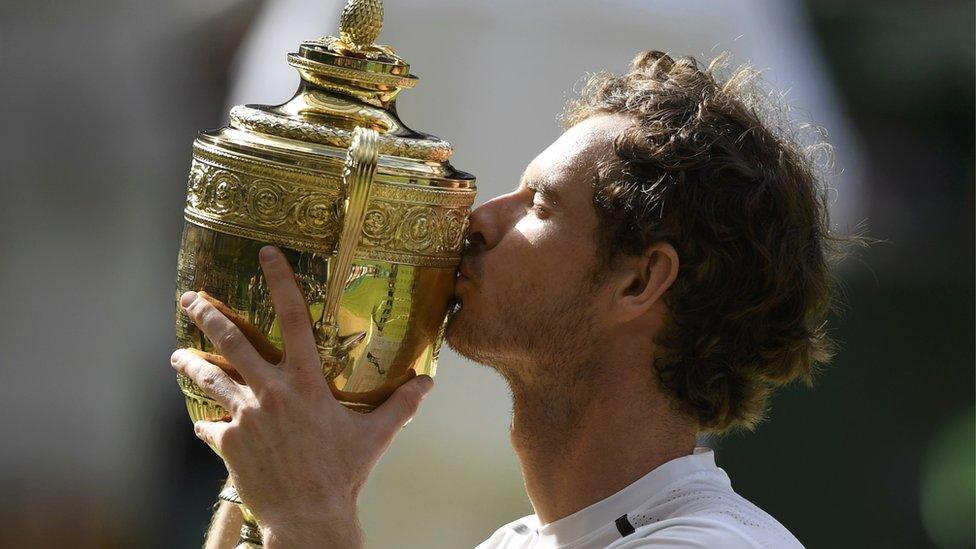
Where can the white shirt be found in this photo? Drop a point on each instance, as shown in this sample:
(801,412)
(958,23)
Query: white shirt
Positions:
(685,503)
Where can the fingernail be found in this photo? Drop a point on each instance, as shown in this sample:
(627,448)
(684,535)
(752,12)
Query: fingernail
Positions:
(187,298)
(268,253)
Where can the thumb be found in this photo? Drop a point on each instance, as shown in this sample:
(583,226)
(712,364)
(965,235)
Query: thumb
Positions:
(400,408)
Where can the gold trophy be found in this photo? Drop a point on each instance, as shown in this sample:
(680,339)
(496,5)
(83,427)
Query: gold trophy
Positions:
(370,214)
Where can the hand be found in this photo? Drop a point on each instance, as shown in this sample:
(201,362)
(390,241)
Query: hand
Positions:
(297,457)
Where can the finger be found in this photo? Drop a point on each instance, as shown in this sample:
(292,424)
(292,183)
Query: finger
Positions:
(220,362)
(214,381)
(227,337)
(211,432)
(257,338)
(403,403)
(290,306)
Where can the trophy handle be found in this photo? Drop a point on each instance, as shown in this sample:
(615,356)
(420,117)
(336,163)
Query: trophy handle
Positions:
(357,178)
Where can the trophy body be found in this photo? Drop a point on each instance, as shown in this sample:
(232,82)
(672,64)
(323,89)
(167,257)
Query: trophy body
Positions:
(370,214)
(394,296)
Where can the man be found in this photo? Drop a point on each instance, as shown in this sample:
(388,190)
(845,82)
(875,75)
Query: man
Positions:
(659,270)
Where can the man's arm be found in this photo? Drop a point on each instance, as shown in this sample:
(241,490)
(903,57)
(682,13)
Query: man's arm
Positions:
(225,526)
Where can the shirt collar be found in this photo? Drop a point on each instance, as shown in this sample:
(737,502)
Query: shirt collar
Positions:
(605,511)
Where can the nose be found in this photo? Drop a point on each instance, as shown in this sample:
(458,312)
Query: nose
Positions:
(492,220)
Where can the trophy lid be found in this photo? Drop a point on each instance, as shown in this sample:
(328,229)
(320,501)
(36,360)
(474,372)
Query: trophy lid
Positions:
(347,81)
(353,57)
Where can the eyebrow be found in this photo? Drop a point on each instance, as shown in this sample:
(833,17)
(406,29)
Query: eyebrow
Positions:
(544,188)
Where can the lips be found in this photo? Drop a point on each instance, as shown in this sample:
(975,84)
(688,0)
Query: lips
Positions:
(470,256)
(464,273)
(468,269)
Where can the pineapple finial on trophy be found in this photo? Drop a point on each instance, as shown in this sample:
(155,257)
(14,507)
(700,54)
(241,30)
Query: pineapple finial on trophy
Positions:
(359,27)
(361,22)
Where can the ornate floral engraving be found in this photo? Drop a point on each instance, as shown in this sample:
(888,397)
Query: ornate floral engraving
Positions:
(196,190)
(265,200)
(421,226)
(455,228)
(413,228)
(226,189)
(317,216)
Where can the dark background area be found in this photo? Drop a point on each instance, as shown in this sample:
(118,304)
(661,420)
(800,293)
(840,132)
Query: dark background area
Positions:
(903,381)
(879,454)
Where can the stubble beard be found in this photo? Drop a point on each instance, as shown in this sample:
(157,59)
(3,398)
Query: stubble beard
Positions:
(547,350)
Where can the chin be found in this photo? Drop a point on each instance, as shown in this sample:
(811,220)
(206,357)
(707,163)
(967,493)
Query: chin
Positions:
(465,334)
(456,333)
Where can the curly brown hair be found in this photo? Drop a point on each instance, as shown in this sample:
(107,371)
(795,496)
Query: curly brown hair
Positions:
(744,205)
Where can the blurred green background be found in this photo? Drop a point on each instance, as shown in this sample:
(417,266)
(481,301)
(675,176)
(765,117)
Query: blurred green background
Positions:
(101,100)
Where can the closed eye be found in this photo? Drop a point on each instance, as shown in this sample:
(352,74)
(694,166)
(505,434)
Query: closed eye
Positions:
(539,206)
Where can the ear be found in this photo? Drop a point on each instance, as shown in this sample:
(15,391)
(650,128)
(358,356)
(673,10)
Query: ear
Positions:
(641,281)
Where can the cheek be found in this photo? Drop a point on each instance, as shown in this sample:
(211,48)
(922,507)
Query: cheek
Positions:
(526,256)
(537,258)
(535,232)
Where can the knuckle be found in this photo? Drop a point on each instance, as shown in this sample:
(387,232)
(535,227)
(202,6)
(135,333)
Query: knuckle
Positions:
(411,393)
(197,309)
(411,400)
(410,406)
(209,315)
(229,339)
(404,407)
(246,409)
(209,380)
(273,396)
(295,314)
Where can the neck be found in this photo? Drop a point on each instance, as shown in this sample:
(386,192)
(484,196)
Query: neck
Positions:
(581,445)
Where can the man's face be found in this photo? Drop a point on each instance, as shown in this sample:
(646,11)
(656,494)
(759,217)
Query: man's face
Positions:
(527,290)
